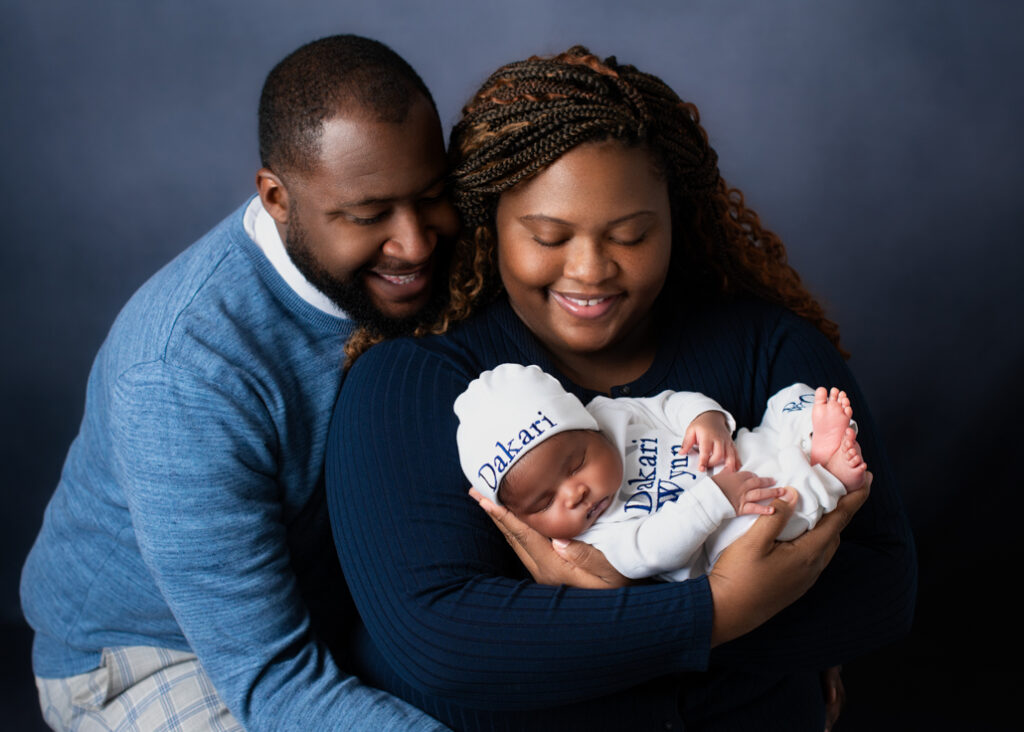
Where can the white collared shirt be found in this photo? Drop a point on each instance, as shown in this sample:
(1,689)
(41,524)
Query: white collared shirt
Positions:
(262,229)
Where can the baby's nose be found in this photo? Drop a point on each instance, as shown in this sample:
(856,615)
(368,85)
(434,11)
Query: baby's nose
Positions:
(579,494)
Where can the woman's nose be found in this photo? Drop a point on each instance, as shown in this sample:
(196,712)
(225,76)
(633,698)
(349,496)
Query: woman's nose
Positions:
(587,262)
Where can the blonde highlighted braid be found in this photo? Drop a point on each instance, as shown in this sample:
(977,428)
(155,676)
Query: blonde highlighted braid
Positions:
(530,113)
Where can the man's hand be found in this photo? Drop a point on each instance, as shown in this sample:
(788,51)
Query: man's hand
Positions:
(572,563)
(835,695)
(710,433)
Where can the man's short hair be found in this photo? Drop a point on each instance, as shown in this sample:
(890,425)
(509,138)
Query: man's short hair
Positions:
(323,79)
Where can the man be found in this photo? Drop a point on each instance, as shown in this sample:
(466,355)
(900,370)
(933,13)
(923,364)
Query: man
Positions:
(185,557)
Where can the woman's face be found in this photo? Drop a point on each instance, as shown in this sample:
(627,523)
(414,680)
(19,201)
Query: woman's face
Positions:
(584,247)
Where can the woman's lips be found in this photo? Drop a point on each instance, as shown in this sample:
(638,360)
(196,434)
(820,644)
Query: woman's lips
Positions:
(585,306)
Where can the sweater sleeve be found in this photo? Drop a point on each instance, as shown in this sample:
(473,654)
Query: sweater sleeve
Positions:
(443,597)
(865,597)
(197,462)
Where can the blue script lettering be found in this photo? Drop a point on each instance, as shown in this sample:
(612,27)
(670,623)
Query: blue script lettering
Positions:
(490,472)
(801,403)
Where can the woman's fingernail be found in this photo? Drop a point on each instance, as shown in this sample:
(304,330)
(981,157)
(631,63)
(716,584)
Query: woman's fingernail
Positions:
(559,543)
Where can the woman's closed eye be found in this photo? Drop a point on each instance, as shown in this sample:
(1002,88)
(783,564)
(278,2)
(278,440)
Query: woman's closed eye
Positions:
(549,243)
(630,233)
(626,242)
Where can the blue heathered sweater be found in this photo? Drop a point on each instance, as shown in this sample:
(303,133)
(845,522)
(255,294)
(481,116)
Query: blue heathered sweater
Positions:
(190,511)
(452,621)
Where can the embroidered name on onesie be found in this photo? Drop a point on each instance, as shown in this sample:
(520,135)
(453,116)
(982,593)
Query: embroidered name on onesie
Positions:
(799,404)
(649,491)
(490,472)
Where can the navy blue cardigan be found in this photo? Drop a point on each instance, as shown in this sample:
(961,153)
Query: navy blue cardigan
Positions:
(454,624)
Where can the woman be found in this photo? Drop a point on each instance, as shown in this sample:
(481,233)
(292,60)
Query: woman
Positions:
(601,243)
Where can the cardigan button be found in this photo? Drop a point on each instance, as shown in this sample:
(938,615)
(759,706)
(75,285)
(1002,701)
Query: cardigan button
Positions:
(626,391)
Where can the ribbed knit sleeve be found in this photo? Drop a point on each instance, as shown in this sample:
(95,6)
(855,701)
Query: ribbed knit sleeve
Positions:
(441,593)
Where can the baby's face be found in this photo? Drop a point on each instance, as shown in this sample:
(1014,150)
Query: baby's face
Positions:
(563,484)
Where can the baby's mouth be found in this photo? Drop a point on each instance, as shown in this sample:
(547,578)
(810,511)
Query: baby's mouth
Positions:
(598,508)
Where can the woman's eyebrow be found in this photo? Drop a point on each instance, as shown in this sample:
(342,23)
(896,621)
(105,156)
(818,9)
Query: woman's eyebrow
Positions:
(555,220)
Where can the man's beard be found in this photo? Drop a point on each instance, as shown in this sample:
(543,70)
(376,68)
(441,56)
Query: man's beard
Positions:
(352,296)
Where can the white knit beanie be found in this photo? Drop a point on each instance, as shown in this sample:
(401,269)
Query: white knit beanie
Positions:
(506,412)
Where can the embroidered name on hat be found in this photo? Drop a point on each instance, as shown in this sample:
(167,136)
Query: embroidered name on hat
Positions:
(490,472)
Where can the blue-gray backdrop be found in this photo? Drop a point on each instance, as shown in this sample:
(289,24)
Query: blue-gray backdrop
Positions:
(882,140)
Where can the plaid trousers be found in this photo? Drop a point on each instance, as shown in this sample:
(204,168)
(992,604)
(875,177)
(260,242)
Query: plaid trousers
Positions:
(137,689)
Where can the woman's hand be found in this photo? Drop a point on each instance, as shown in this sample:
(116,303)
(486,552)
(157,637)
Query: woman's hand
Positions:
(570,563)
(757,576)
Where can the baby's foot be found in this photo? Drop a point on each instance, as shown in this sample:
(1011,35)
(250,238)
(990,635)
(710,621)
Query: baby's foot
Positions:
(830,416)
(847,463)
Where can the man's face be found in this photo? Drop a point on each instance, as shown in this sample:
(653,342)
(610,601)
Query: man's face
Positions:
(364,225)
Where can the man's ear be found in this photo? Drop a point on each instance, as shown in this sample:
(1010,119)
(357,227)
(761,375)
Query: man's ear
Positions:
(273,194)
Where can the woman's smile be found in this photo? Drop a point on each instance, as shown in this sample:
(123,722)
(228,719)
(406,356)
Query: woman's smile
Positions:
(585,306)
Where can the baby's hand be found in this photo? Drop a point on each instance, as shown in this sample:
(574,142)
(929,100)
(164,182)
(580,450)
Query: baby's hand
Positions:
(710,432)
(745,491)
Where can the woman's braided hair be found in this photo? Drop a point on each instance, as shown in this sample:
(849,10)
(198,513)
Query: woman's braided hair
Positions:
(530,113)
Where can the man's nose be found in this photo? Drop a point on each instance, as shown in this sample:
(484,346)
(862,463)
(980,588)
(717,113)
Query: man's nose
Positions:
(412,239)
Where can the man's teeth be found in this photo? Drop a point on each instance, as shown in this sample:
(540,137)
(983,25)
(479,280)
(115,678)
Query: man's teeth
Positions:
(585,303)
(399,279)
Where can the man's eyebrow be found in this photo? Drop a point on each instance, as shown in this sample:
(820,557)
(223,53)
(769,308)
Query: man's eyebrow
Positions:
(555,220)
(391,199)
